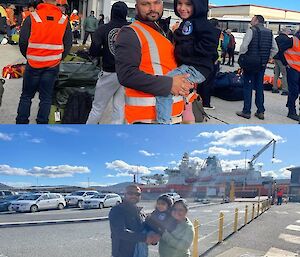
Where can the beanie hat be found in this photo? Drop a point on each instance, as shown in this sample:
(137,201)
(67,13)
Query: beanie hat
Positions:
(166,199)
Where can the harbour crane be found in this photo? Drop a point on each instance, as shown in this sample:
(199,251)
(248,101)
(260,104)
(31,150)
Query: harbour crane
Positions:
(255,156)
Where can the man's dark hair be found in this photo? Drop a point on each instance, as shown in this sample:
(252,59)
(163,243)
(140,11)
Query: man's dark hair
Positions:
(214,22)
(102,16)
(92,12)
(260,19)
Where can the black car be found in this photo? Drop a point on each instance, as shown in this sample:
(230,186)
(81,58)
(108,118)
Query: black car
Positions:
(6,201)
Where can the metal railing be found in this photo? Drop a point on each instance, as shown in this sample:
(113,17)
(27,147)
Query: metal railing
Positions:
(227,226)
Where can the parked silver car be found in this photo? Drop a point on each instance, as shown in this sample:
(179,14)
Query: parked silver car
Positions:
(101,201)
(76,198)
(36,202)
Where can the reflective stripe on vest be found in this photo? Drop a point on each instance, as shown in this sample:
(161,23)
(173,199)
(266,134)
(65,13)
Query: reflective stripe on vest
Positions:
(46,46)
(62,19)
(147,101)
(154,54)
(36,17)
(44,58)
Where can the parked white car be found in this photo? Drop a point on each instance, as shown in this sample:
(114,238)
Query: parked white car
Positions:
(76,198)
(36,202)
(102,200)
(174,196)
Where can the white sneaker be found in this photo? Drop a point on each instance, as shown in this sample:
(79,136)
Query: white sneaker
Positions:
(209,107)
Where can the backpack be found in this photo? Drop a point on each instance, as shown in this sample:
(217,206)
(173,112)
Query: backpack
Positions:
(199,112)
(78,108)
(229,86)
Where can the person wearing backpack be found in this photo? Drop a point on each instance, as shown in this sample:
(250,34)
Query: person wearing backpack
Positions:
(257,48)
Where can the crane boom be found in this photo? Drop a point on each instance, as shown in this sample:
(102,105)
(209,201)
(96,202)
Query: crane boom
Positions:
(255,156)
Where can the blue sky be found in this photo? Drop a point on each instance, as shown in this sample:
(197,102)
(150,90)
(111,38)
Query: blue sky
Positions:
(287,4)
(56,155)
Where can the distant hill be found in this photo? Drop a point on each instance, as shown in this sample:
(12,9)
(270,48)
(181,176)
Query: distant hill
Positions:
(117,188)
(4,187)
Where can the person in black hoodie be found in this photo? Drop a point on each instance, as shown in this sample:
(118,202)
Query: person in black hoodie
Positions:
(108,86)
(196,42)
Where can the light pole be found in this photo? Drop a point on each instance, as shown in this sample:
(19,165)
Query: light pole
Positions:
(246,150)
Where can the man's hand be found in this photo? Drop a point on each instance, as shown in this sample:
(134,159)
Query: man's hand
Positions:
(181,86)
(152,239)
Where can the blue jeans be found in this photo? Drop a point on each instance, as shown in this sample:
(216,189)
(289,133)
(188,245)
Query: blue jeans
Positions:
(37,80)
(254,81)
(164,103)
(293,78)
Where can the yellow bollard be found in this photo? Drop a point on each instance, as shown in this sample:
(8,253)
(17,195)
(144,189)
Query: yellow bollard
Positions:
(257,210)
(236,214)
(221,222)
(246,215)
(196,237)
(253,207)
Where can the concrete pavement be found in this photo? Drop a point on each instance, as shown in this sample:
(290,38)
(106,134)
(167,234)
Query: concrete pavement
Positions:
(225,111)
(274,234)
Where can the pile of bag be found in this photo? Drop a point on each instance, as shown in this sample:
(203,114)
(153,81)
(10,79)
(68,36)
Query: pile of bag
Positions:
(229,86)
(14,71)
(73,92)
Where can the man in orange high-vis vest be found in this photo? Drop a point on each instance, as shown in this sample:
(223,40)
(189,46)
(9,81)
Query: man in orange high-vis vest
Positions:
(292,56)
(45,39)
(144,55)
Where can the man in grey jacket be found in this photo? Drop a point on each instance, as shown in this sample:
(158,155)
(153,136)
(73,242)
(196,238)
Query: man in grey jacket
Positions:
(90,25)
(258,40)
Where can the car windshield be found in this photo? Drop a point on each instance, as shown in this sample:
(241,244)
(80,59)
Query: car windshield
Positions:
(78,193)
(10,198)
(29,197)
(98,196)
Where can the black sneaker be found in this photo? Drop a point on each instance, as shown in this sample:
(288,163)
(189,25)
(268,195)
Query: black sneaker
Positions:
(285,93)
(244,115)
(260,115)
(293,116)
(275,91)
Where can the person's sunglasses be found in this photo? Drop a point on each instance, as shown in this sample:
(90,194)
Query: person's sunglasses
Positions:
(134,193)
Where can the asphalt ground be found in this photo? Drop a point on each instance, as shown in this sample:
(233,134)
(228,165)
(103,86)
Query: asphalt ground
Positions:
(275,104)
(93,238)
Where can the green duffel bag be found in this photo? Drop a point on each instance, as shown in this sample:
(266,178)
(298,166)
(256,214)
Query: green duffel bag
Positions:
(77,74)
(56,115)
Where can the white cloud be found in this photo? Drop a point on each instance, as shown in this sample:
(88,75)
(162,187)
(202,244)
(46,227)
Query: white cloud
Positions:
(284,173)
(63,129)
(59,171)
(7,170)
(274,160)
(241,136)
(145,153)
(197,152)
(36,140)
(126,168)
(122,135)
(157,168)
(214,150)
(5,137)
(270,173)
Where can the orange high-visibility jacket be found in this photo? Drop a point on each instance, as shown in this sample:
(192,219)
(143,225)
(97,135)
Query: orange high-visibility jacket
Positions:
(292,55)
(48,26)
(74,17)
(157,59)
(10,17)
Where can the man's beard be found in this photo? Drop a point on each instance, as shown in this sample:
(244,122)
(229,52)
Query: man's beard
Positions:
(149,18)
